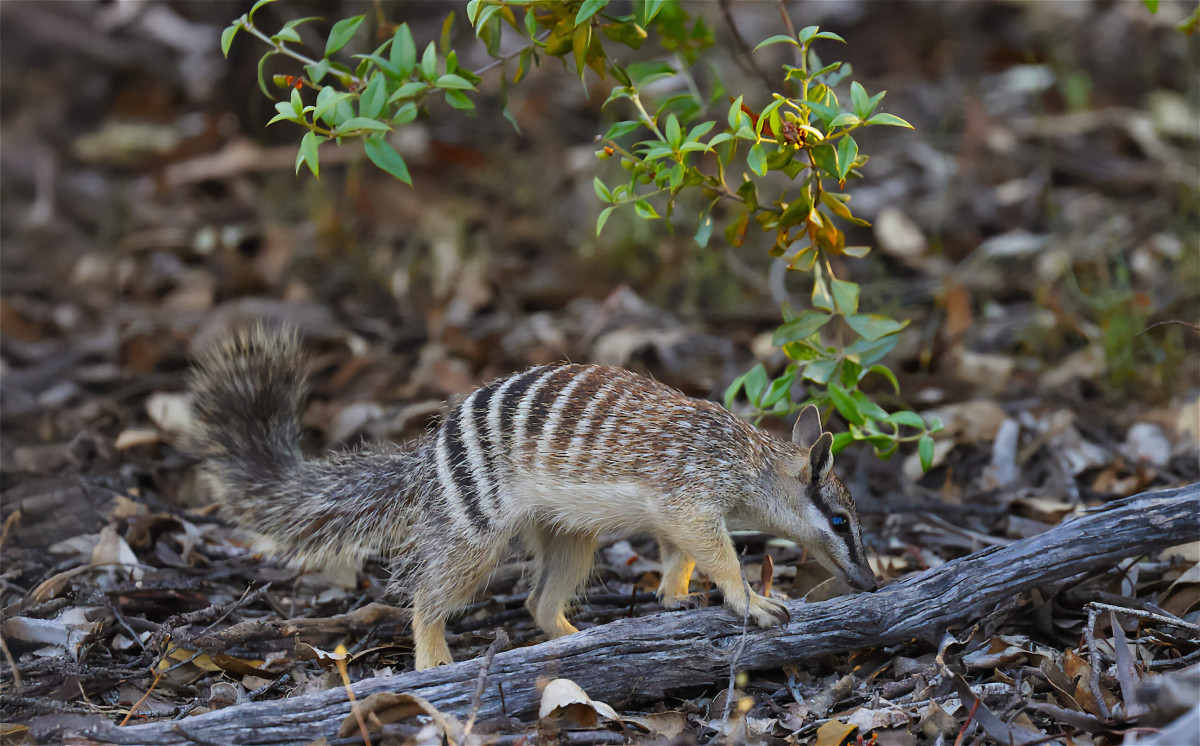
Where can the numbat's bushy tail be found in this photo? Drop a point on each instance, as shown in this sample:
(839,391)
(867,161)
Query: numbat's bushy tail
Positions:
(556,454)
(249,396)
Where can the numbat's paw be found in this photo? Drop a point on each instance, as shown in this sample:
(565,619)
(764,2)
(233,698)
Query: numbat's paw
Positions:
(687,601)
(768,613)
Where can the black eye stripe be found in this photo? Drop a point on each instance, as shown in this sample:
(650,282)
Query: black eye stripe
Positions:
(840,523)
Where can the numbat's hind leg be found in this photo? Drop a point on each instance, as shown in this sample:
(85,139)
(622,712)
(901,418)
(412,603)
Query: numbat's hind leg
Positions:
(564,561)
(446,585)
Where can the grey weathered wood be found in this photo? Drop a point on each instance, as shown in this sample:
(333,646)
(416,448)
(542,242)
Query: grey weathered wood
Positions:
(642,658)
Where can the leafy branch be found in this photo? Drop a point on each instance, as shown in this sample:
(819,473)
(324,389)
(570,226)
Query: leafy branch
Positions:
(669,148)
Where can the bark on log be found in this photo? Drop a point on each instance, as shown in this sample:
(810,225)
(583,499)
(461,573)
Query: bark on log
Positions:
(637,658)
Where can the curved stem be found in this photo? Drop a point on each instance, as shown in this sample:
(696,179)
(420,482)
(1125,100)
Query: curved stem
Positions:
(282,48)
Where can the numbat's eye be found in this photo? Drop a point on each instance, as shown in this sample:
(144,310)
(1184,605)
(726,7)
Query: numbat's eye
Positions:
(840,524)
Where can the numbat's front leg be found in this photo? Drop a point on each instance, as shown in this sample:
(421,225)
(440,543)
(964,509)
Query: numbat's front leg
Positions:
(676,578)
(709,542)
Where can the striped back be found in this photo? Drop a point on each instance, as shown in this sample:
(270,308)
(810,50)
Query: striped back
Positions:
(585,424)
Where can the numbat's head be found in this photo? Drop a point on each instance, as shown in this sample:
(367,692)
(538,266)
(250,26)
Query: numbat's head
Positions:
(815,510)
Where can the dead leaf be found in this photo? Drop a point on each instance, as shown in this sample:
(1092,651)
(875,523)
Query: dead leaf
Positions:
(134,437)
(867,719)
(937,722)
(663,724)
(899,236)
(1000,653)
(324,658)
(383,708)
(834,733)
(112,553)
(1126,671)
(563,699)
(1046,509)
(172,413)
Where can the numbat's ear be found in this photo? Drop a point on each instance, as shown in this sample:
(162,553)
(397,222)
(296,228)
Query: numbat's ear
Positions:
(807,428)
(820,458)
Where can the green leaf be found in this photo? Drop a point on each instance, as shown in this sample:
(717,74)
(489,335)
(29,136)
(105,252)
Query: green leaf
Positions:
(807,33)
(672,132)
(765,116)
(841,440)
(826,158)
(1151,5)
(801,327)
(867,352)
(719,138)
(361,123)
(731,391)
(777,39)
(925,449)
(704,230)
(429,61)
(404,50)
(318,71)
(755,383)
(756,159)
(819,371)
(581,39)
(872,326)
(621,128)
(254,8)
(459,100)
(845,119)
(373,97)
(845,296)
(821,297)
(385,156)
(735,113)
(407,90)
(823,111)
(456,82)
(847,151)
(651,8)
(869,409)
(227,37)
(645,210)
(859,98)
(858,252)
(890,120)
(778,389)
(404,114)
(884,371)
(846,405)
(602,191)
(600,221)
(341,33)
(262,63)
(829,35)
(386,66)
(589,9)
(629,33)
(328,98)
(909,419)
(307,154)
(297,103)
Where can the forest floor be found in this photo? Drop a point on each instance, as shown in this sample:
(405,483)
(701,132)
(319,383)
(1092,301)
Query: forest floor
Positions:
(1039,226)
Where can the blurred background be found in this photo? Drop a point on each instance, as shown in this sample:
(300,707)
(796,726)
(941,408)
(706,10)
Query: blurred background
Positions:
(1039,218)
(1039,226)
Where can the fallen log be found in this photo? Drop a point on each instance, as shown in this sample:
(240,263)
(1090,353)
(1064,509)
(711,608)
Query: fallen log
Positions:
(644,657)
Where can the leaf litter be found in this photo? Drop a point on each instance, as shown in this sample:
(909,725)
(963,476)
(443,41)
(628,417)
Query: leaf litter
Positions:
(126,594)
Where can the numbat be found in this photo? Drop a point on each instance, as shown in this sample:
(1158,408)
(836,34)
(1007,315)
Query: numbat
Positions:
(557,454)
